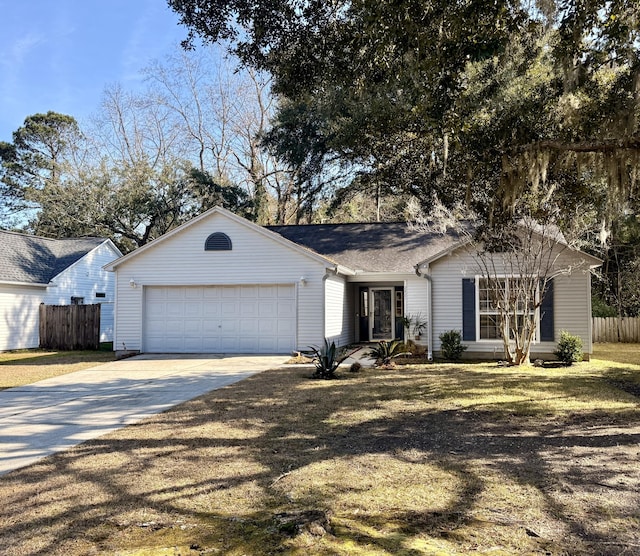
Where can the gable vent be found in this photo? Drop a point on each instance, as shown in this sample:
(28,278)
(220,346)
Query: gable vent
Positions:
(217,242)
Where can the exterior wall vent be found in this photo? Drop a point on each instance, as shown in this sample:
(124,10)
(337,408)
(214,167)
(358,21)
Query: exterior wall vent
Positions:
(217,242)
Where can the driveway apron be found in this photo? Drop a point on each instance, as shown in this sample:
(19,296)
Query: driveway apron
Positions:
(52,415)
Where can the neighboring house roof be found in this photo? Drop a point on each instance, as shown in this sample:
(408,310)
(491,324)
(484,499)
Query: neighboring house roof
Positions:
(37,260)
(371,247)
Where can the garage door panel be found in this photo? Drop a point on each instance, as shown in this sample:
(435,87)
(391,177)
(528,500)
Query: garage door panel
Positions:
(284,345)
(211,344)
(286,309)
(231,292)
(229,309)
(192,309)
(155,294)
(193,293)
(249,308)
(230,327)
(249,326)
(267,292)
(174,309)
(286,328)
(266,308)
(211,308)
(175,294)
(248,344)
(267,344)
(218,319)
(193,327)
(193,344)
(249,292)
(229,344)
(210,327)
(211,293)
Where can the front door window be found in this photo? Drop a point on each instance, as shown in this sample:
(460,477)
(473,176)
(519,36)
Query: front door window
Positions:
(382,312)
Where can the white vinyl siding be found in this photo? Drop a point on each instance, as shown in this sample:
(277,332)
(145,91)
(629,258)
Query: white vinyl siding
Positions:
(84,279)
(571,301)
(255,259)
(415,300)
(338,311)
(19,316)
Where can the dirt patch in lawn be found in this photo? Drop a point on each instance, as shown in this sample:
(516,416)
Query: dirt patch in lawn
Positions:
(448,459)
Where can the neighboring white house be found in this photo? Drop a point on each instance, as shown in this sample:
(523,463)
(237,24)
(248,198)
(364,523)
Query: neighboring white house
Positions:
(220,283)
(35,270)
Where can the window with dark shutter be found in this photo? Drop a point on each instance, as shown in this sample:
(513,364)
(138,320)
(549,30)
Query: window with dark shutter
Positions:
(547,331)
(468,310)
(218,242)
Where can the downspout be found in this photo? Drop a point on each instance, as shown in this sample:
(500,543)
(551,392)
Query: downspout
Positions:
(427,277)
(328,272)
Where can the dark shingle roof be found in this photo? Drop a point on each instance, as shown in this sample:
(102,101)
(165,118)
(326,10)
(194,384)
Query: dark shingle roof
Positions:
(36,260)
(371,247)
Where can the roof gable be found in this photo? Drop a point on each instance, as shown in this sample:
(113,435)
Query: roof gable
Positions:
(37,260)
(226,214)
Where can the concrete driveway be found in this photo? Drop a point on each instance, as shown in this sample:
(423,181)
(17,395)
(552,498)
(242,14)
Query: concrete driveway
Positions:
(55,414)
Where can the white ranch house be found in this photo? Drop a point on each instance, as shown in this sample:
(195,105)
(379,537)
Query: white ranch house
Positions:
(221,284)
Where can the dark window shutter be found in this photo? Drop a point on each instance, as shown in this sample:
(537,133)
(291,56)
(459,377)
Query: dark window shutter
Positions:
(217,242)
(468,310)
(547,332)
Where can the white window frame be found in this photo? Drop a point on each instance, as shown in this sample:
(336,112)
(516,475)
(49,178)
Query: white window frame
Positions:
(478,280)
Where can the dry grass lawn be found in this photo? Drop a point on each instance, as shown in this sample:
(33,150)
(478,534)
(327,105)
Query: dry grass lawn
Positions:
(18,368)
(435,459)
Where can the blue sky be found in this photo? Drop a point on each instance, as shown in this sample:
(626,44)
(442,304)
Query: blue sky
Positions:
(61,54)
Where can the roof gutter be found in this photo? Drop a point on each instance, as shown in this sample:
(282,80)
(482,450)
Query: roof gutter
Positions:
(31,284)
(339,269)
(427,277)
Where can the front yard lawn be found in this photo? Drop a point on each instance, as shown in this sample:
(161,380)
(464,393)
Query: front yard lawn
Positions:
(18,368)
(435,459)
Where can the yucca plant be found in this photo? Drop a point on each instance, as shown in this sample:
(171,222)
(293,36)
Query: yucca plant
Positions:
(384,352)
(326,359)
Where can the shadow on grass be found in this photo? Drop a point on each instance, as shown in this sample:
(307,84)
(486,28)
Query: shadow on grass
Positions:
(56,358)
(215,470)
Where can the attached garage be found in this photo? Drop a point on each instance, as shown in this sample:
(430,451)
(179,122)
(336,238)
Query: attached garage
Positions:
(220,319)
(221,284)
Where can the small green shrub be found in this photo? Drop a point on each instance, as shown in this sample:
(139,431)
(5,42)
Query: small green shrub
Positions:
(384,352)
(326,359)
(600,308)
(569,348)
(451,345)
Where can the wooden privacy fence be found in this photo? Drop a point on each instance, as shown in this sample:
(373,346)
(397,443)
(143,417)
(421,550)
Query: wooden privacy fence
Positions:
(70,326)
(616,329)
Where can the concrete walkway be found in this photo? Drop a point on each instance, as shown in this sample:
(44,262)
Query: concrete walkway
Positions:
(52,415)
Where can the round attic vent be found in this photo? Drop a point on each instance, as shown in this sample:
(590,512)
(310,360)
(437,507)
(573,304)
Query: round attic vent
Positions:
(217,242)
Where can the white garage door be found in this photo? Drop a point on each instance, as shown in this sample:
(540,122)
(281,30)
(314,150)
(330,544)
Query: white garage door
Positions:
(220,319)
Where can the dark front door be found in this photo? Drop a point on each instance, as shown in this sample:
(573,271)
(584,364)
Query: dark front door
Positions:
(381,314)
(363,318)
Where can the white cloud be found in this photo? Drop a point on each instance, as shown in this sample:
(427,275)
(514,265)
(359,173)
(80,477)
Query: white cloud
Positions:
(13,55)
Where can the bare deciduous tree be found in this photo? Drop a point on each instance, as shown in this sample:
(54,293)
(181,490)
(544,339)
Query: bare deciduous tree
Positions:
(516,264)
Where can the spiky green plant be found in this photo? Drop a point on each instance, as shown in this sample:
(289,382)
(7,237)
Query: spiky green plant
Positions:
(384,352)
(325,358)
